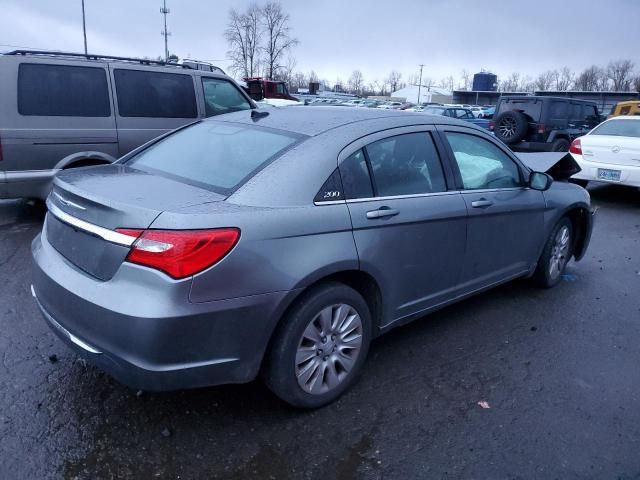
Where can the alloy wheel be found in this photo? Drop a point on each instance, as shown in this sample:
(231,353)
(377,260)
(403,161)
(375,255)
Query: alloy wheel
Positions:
(559,252)
(507,127)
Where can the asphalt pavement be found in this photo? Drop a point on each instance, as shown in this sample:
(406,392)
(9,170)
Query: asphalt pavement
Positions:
(515,383)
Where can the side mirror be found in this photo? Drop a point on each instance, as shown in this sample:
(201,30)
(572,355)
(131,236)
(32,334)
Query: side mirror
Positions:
(540,181)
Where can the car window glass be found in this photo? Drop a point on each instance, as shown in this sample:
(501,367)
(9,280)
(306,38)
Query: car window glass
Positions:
(406,164)
(221,96)
(531,109)
(155,94)
(62,90)
(558,110)
(355,176)
(621,128)
(482,164)
(213,155)
(575,112)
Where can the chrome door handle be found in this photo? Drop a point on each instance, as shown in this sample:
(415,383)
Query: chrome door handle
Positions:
(382,212)
(482,203)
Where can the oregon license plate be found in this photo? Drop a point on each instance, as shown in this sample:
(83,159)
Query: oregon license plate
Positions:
(611,175)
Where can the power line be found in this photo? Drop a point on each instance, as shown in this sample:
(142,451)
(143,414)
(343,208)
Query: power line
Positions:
(165,11)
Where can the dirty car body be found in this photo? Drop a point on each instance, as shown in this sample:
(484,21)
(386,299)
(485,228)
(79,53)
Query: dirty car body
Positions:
(328,201)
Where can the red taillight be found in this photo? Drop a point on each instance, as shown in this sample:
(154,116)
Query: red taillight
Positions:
(180,253)
(492,125)
(576,147)
(541,128)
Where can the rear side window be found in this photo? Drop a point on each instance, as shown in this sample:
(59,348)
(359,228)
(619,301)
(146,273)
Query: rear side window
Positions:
(221,96)
(62,90)
(155,94)
(575,112)
(406,165)
(558,110)
(212,155)
(355,176)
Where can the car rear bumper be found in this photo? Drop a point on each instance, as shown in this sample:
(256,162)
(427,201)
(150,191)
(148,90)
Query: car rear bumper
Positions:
(28,183)
(629,174)
(151,337)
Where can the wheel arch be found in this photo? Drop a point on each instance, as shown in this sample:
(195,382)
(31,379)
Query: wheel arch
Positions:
(81,159)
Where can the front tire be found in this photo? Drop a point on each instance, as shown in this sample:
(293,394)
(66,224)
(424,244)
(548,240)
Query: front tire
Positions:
(560,145)
(556,254)
(320,347)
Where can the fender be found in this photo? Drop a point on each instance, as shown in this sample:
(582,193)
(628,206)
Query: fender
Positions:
(77,156)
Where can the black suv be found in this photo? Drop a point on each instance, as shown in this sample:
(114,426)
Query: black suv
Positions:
(542,124)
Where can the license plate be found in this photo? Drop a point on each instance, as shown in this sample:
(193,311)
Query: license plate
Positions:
(606,174)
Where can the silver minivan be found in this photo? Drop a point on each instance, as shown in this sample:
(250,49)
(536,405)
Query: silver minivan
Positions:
(61,110)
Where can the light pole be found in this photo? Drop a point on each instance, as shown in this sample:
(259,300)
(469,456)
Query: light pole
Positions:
(420,82)
(164,10)
(84,29)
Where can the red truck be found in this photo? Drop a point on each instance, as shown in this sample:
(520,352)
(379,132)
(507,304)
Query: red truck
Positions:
(258,88)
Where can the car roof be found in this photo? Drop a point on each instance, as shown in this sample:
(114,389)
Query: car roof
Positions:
(312,121)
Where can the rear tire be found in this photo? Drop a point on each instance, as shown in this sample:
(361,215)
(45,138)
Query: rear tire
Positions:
(560,145)
(320,347)
(556,254)
(511,127)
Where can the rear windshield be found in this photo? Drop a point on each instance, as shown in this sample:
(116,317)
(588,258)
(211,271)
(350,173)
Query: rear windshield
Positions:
(216,156)
(531,109)
(618,128)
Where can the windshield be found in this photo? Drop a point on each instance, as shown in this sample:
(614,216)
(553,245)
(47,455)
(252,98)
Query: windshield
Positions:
(216,156)
(619,128)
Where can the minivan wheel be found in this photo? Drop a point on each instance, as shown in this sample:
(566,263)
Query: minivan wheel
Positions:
(556,254)
(320,347)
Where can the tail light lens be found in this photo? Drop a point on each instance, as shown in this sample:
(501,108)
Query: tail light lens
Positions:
(180,253)
(541,128)
(576,147)
(492,125)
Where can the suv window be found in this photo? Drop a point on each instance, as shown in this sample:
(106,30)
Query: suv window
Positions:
(531,108)
(155,94)
(63,90)
(575,113)
(591,113)
(213,155)
(221,96)
(482,164)
(355,176)
(558,110)
(405,165)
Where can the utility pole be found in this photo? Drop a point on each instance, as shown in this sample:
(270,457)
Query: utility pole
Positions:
(420,82)
(165,11)
(84,29)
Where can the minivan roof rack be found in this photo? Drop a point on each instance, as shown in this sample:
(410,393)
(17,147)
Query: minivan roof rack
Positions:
(190,64)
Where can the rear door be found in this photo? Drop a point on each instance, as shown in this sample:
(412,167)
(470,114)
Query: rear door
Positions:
(409,227)
(55,108)
(505,221)
(150,102)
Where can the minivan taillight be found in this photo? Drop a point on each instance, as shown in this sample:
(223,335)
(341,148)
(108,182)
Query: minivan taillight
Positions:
(180,253)
(576,147)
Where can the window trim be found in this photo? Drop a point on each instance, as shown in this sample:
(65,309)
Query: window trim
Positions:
(64,65)
(523,170)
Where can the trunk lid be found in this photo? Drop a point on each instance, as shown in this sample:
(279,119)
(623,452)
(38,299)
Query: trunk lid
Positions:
(611,149)
(86,205)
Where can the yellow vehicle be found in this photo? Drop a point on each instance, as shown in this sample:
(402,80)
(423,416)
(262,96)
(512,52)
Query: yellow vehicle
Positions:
(631,107)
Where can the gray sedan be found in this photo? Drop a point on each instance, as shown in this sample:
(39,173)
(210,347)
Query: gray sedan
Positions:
(280,243)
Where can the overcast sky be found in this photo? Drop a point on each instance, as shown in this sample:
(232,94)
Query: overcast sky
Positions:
(338,36)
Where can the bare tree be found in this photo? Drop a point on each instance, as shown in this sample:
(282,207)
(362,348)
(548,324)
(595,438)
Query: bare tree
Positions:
(299,81)
(465,76)
(563,79)
(243,35)
(277,36)
(636,84)
(356,82)
(313,77)
(544,81)
(413,79)
(588,79)
(620,74)
(394,80)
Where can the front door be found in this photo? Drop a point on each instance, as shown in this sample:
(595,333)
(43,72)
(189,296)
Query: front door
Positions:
(505,216)
(409,228)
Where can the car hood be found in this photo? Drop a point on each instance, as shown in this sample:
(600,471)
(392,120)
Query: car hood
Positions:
(560,165)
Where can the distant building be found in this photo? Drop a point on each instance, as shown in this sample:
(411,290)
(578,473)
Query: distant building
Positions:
(485,82)
(427,94)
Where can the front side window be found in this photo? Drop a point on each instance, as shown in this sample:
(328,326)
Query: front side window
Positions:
(213,155)
(155,94)
(482,165)
(221,96)
(405,165)
(63,90)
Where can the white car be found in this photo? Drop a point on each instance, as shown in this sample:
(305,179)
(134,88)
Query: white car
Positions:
(390,105)
(609,153)
(478,112)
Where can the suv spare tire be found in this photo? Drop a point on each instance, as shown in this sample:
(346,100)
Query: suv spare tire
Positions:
(511,127)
